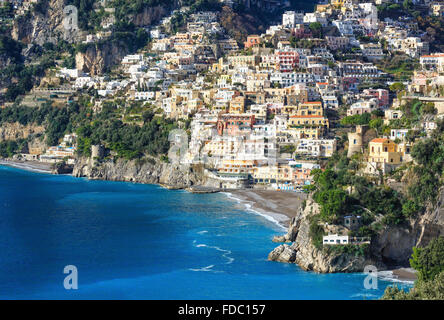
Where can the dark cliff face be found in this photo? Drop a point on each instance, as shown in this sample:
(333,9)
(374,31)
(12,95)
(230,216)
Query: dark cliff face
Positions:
(394,244)
(149,16)
(99,58)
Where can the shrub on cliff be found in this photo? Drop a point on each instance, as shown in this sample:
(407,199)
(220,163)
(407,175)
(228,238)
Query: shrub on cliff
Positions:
(334,201)
(423,290)
(429,261)
(316,232)
(357,250)
(427,174)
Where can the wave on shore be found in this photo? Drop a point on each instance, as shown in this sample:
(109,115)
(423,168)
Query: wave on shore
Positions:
(33,167)
(276,218)
(391,276)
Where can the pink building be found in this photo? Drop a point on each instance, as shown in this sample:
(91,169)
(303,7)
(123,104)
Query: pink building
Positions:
(301,32)
(232,124)
(287,60)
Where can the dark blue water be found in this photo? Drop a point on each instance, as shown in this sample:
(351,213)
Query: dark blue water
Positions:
(133,241)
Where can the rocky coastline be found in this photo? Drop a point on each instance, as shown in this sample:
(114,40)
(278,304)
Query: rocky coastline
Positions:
(298,247)
(151,171)
(389,250)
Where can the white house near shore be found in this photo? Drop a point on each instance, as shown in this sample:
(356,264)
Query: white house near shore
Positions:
(335,239)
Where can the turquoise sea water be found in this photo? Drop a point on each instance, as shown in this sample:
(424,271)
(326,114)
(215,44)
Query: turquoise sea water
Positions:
(134,241)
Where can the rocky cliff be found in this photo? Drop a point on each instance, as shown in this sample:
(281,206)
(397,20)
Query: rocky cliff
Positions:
(391,247)
(14,131)
(142,171)
(150,15)
(98,57)
(303,252)
(40,26)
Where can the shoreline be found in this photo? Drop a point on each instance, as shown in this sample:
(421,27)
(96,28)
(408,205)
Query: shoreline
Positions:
(32,166)
(399,275)
(278,207)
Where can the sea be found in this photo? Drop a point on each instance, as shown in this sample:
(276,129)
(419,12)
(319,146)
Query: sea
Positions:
(71,238)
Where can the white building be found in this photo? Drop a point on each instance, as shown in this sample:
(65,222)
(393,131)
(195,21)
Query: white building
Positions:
(433,62)
(372,51)
(334,239)
(84,81)
(398,134)
(363,106)
(330,102)
(291,18)
(144,95)
(316,147)
(287,79)
(70,73)
(132,59)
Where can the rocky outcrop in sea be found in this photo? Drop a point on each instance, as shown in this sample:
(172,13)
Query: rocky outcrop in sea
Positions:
(391,247)
(299,248)
(151,171)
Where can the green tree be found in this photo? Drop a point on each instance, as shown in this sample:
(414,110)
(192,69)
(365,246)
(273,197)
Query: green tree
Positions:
(429,261)
(316,29)
(397,87)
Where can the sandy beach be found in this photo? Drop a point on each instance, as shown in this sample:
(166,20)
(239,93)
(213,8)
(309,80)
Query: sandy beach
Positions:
(28,165)
(405,274)
(399,275)
(279,206)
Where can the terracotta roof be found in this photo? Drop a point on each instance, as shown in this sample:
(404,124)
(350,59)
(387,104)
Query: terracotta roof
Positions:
(380,140)
(438,55)
(307,116)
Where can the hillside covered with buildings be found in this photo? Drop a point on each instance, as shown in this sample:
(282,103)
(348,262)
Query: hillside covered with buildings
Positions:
(344,102)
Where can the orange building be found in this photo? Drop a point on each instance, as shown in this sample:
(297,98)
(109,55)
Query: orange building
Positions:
(252,41)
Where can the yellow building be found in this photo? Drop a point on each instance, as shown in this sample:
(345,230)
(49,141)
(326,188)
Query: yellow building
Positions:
(237,105)
(337,3)
(382,150)
(305,132)
(242,61)
(308,121)
(237,166)
(290,110)
(305,109)
(194,104)
(278,173)
(311,108)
